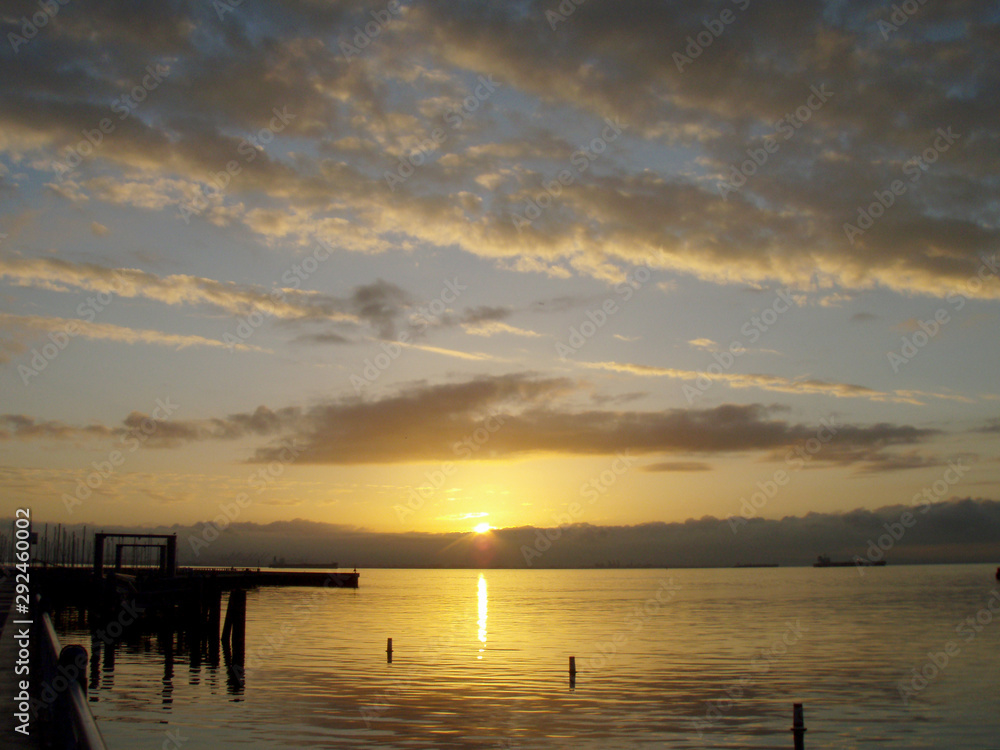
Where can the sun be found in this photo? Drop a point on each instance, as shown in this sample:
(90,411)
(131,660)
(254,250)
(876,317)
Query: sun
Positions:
(482,528)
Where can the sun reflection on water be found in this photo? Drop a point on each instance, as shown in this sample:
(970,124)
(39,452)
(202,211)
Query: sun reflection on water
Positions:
(482,614)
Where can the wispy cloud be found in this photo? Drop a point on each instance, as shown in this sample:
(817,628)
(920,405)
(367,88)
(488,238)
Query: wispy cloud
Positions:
(777,383)
(20,326)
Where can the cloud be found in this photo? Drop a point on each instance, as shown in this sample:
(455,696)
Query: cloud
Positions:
(180,289)
(153,432)
(357,117)
(20,328)
(521,415)
(493,327)
(381,304)
(991,426)
(21,427)
(471,356)
(777,383)
(705,344)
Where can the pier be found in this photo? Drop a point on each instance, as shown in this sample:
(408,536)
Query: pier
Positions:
(134,589)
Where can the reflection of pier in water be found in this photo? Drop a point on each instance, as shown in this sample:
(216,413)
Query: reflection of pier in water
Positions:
(173,639)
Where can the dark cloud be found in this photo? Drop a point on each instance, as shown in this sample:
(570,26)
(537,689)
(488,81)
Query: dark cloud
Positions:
(958,531)
(991,426)
(382,304)
(171,433)
(325,337)
(485,313)
(519,414)
(515,415)
(21,427)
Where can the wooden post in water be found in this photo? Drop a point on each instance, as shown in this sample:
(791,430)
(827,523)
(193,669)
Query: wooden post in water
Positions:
(388,651)
(214,615)
(572,671)
(798,726)
(239,624)
(235,628)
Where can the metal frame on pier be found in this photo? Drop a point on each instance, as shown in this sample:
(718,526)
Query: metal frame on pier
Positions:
(168,555)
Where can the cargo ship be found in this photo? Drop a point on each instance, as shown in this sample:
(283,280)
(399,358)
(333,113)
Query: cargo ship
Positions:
(824,561)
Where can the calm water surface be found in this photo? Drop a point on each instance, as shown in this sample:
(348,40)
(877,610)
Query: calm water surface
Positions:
(665,658)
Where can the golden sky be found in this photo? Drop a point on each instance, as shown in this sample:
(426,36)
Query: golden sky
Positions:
(422,266)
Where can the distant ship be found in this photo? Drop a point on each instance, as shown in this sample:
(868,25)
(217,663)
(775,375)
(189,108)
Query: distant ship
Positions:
(279,562)
(825,562)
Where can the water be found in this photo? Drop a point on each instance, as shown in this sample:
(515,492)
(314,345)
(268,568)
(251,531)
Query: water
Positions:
(665,658)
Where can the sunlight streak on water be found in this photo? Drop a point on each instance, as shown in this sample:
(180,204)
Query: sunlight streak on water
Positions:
(482,613)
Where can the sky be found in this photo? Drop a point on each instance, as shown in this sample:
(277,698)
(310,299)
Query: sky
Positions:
(418,267)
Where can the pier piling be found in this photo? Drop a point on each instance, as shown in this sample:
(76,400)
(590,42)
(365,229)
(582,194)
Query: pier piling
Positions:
(388,651)
(572,671)
(235,629)
(798,726)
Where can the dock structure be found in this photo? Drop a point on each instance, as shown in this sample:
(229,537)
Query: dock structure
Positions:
(134,587)
(145,574)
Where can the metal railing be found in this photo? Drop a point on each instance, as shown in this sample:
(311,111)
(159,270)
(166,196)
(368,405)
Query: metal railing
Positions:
(62,687)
